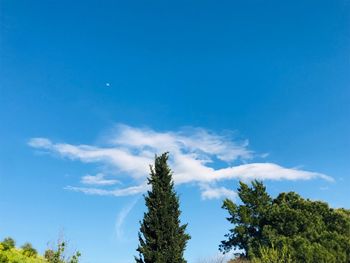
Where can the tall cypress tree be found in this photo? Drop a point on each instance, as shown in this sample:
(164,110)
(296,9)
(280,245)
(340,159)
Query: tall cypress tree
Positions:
(162,237)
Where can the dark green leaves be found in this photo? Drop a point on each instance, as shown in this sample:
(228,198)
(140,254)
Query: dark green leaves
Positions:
(162,238)
(309,230)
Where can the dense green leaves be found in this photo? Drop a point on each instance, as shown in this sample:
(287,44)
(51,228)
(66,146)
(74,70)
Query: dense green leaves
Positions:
(248,218)
(28,250)
(8,243)
(310,231)
(27,254)
(162,238)
(10,254)
(273,255)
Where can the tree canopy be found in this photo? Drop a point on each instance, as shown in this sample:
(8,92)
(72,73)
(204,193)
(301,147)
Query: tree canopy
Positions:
(308,231)
(26,254)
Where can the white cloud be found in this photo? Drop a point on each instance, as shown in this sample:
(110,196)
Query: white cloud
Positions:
(40,143)
(217,193)
(132,190)
(98,179)
(120,158)
(193,152)
(267,171)
(194,140)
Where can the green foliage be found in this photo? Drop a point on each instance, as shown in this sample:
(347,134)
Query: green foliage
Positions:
(248,218)
(310,231)
(28,250)
(8,243)
(58,255)
(27,254)
(16,256)
(273,255)
(10,254)
(162,238)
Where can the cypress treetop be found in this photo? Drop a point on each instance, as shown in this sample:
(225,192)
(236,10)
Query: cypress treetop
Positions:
(162,237)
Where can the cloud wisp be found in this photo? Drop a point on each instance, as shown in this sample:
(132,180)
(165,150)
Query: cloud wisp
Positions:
(209,192)
(98,179)
(195,153)
(122,215)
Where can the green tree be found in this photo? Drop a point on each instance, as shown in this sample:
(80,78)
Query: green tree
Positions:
(28,250)
(8,243)
(248,219)
(310,231)
(162,238)
(10,254)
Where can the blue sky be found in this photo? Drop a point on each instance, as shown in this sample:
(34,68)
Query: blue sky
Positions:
(91,90)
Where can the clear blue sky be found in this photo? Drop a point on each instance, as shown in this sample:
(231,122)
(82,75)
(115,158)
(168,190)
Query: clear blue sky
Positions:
(132,78)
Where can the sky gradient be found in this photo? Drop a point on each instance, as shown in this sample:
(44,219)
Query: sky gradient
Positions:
(235,90)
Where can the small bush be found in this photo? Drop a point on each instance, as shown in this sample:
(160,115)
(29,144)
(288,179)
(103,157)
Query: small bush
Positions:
(273,255)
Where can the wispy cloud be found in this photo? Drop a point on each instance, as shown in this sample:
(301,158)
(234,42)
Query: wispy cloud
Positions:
(119,222)
(98,179)
(132,190)
(209,192)
(194,153)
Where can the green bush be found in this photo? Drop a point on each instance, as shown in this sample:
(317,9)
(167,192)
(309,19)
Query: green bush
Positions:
(8,243)
(273,255)
(27,254)
(14,255)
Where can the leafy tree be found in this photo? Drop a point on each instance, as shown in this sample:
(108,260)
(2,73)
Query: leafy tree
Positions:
(248,218)
(8,243)
(27,254)
(162,238)
(28,250)
(310,231)
(10,254)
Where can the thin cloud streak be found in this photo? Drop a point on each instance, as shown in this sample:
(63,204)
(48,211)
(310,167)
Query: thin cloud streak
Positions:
(193,151)
(121,217)
(209,192)
(132,190)
(98,179)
